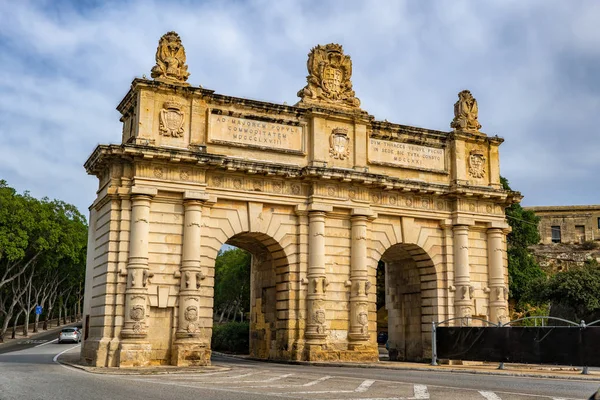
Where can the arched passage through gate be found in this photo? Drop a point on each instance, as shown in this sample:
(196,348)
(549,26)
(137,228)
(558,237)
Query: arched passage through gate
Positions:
(409,295)
(268,261)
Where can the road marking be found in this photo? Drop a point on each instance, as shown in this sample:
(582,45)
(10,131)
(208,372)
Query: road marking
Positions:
(269,380)
(43,344)
(489,395)
(363,387)
(421,392)
(313,383)
(55,359)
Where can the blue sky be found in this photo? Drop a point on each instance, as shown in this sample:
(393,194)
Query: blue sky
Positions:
(534,67)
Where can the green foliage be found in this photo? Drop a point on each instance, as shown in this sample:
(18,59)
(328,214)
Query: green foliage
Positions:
(232,337)
(523,270)
(232,280)
(577,289)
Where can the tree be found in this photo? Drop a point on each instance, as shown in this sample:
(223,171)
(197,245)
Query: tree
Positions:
(232,282)
(573,294)
(42,246)
(523,270)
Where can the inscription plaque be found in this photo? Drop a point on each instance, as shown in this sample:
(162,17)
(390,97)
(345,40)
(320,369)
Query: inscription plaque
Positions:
(406,155)
(251,133)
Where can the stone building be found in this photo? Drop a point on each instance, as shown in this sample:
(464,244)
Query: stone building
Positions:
(568,236)
(568,224)
(318,193)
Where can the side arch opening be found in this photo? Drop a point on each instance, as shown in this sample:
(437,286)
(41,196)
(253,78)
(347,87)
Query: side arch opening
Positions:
(257,300)
(405,302)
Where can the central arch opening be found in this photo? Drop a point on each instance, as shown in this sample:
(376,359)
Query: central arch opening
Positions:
(401,302)
(246,276)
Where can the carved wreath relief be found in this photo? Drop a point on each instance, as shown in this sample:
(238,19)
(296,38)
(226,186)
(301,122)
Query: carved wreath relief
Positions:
(476,164)
(137,312)
(339,144)
(329,73)
(171,120)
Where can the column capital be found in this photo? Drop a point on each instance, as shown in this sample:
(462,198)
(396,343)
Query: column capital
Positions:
(363,212)
(502,225)
(143,191)
(319,207)
(190,195)
(462,221)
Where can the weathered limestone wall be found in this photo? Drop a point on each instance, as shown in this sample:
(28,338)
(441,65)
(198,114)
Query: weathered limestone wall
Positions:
(318,193)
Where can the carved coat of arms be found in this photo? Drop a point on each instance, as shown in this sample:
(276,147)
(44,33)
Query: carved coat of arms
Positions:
(329,76)
(339,144)
(466,113)
(476,164)
(171,120)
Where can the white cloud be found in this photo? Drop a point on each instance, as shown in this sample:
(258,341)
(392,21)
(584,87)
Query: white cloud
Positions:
(530,65)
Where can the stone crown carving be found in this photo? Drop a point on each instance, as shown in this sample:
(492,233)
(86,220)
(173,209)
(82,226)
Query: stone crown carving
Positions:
(329,73)
(466,113)
(339,143)
(170,60)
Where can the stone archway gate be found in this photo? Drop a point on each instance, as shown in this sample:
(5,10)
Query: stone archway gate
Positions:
(322,184)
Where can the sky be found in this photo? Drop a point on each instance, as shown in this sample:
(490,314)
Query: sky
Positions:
(533,66)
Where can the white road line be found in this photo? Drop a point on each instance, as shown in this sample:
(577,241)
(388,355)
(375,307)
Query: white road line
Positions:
(363,387)
(421,392)
(55,359)
(489,395)
(313,383)
(269,380)
(43,344)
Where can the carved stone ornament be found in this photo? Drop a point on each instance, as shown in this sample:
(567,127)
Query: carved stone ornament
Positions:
(137,312)
(329,73)
(476,164)
(137,327)
(191,328)
(363,318)
(191,313)
(170,60)
(339,144)
(319,318)
(171,120)
(466,113)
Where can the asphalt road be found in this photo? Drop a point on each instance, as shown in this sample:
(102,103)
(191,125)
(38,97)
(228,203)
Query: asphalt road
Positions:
(40,338)
(33,373)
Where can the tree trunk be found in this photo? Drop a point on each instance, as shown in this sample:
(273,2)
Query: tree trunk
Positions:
(59,315)
(26,324)
(14,329)
(37,321)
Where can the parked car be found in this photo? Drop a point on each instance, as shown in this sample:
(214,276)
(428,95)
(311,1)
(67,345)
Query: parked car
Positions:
(382,338)
(69,335)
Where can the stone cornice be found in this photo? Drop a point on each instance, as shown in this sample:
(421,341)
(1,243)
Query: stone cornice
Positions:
(105,154)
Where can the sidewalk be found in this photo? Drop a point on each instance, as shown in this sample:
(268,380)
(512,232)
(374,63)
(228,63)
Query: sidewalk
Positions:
(514,370)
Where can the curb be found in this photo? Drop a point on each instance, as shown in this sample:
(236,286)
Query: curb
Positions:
(415,368)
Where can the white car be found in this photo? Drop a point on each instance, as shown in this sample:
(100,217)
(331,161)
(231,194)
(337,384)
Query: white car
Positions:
(69,335)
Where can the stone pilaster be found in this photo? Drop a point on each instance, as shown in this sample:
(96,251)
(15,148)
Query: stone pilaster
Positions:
(498,302)
(316,318)
(192,346)
(463,302)
(134,349)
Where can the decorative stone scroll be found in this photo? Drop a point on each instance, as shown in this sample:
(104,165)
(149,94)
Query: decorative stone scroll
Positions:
(466,113)
(170,60)
(329,73)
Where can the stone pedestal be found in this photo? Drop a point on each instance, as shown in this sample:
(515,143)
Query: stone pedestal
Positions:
(135,354)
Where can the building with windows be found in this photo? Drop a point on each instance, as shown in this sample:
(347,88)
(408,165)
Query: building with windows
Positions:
(568,224)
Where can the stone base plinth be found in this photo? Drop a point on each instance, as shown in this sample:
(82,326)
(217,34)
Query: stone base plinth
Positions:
(364,353)
(135,355)
(190,354)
